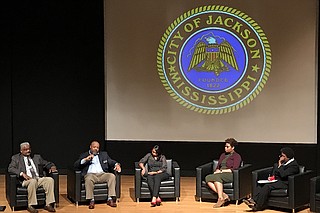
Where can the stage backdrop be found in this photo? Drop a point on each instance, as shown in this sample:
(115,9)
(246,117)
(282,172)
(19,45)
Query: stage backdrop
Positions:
(184,70)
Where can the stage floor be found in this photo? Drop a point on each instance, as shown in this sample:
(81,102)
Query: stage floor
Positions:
(187,203)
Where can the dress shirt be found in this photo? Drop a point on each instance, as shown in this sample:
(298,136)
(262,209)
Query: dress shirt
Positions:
(32,166)
(289,161)
(95,166)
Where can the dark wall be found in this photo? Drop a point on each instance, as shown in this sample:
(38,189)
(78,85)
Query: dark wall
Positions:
(5,87)
(52,91)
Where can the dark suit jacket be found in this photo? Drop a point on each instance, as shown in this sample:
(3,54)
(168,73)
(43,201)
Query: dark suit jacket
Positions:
(284,171)
(17,165)
(106,162)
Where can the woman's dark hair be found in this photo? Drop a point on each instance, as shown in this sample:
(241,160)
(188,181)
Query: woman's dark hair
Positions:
(157,149)
(232,142)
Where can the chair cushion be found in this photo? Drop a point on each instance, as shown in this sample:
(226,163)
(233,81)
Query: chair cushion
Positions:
(100,191)
(167,188)
(279,193)
(96,186)
(165,183)
(225,185)
(21,198)
(23,190)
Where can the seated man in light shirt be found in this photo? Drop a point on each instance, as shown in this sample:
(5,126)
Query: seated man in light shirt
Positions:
(94,166)
(27,167)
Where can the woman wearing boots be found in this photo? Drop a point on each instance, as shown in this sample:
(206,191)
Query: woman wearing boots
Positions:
(228,161)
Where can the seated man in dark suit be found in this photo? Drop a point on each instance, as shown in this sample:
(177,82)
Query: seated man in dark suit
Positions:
(285,167)
(94,166)
(26,167)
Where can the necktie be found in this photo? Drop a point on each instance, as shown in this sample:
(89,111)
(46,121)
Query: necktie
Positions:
(33,174)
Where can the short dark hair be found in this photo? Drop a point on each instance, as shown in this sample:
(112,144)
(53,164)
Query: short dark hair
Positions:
(157,149)
(233,142)
(94,141)
(288,152)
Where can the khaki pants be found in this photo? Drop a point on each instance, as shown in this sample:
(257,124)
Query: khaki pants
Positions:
(91,178)
(48,185)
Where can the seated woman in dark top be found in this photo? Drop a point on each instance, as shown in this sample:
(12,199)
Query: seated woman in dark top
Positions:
(157,171)
(228,161)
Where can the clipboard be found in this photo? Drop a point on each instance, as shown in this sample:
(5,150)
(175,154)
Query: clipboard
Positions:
(267,181)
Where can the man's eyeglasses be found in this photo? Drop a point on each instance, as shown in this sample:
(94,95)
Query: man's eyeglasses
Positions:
(282,156)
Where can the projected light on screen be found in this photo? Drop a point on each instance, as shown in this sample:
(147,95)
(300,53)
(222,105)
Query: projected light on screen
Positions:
(214,64)
(214,59)
(215,75)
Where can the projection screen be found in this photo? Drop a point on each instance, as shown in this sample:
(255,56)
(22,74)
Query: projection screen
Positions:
(184,70)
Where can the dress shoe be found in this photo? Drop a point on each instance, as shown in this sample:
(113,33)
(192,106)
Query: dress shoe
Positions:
(91,204)
(250,202)
(158,201)
(32,210)
(219,203)
(153,204)
(111,203)
(49,208)
(254,209)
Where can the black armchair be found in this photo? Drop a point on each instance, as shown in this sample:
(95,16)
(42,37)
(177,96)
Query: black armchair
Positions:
(76,191)
(315,194)
(297,195)
(238,189)
(169,188)
(17,195)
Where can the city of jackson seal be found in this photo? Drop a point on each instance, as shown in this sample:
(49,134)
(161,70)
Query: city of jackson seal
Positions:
(214,59)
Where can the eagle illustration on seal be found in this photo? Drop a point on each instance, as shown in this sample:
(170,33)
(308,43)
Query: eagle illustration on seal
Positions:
(209,56)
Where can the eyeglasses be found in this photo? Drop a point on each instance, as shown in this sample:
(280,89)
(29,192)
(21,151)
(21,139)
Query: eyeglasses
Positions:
(282,156)
(227,146)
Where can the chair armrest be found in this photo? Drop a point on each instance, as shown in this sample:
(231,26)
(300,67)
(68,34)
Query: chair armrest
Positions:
(74,184)
(118,184)
(314,188)
(298,189)
(55,176)
(201,172)
(176,175)
(242,181)
(259,174)
(137,180)
(11,188)
(205,170)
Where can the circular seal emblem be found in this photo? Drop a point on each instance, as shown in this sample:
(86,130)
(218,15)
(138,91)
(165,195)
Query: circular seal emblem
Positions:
(214,59)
